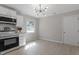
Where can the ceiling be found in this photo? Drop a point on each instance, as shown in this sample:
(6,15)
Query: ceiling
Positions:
(28,9)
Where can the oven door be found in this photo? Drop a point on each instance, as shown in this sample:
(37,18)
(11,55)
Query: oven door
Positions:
(11,42)
(1,45)
(8,43)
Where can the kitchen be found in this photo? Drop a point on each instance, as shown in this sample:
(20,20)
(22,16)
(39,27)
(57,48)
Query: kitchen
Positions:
(39,29)
(13,29)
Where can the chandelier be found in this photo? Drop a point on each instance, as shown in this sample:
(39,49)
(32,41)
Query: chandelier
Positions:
(40,10)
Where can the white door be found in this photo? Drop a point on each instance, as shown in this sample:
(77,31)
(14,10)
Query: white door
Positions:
(71,33)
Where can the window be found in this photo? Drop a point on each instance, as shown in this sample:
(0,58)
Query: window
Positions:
(30,26)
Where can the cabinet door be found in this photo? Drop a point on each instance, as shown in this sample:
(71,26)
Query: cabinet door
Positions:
(19,21)
(22,40)
(7,12)
(3,11)
(12,13)
(71,34)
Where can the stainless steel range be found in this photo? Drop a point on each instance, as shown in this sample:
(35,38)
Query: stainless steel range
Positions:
(8,36)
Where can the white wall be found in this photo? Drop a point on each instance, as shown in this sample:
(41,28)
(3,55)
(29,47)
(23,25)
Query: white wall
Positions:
(50,28)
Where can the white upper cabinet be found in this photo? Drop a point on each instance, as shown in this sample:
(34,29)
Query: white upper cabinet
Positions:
(7,12)
(20,22)
(12,13)
(3,11)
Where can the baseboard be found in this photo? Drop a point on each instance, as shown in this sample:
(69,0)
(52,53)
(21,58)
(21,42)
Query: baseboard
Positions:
(42,38)
(61,42)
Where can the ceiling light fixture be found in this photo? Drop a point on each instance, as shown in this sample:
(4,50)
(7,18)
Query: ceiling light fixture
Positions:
(40,10)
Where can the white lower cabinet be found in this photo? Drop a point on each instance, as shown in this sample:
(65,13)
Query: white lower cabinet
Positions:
(22,40)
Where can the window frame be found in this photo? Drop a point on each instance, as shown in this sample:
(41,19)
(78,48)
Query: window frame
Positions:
(30,31)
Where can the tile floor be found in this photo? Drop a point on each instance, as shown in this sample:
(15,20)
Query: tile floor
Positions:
(42,47)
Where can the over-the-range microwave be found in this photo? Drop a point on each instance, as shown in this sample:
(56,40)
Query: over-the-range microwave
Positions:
(7,20)
(7,24)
